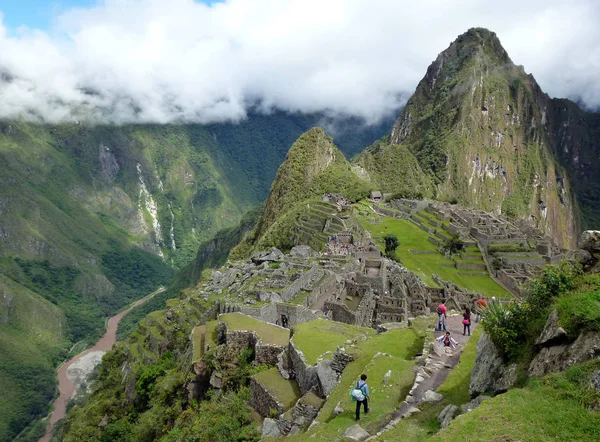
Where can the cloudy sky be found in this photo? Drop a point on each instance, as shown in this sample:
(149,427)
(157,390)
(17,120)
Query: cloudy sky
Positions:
(184,60)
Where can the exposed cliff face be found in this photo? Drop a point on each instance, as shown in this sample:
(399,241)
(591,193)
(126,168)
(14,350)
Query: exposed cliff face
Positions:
(485,133)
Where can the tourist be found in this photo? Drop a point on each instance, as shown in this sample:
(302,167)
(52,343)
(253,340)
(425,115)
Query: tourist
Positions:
(361,395)
(447,341)
(441,311)
(480,305)
(467,321)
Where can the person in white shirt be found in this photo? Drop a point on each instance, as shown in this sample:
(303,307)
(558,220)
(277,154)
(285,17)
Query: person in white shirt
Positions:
(447,341)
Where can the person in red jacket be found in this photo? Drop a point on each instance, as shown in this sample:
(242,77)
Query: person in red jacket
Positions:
(480,305)
(441,311)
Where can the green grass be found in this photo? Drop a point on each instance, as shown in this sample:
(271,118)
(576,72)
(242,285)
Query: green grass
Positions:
(455,389)
(580,309)
(400,346)
(269,334)
(456,386)
(286,391)
(207,331)
(546,409)
(412,237)
(316,337)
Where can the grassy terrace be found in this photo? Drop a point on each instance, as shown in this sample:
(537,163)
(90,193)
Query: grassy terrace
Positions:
(400,347)
(424,265)
(269,334)
(545,409)
(200,332)
(286,392)
(317,337)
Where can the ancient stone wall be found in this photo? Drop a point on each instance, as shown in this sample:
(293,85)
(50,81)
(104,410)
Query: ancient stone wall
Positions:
(304,282)
(306,375)
(340,313)
(267,353)
(329,287)
(263,401)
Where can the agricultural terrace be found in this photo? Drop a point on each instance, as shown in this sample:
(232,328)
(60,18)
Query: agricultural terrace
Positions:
(427,260)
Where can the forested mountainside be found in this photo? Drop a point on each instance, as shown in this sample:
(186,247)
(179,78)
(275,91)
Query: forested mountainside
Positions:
(485,134)
(92,218)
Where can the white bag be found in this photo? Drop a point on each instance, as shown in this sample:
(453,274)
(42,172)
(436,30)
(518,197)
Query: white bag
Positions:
(358,394)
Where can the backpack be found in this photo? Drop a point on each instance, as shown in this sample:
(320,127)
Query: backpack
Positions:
(357,393)
(439,311)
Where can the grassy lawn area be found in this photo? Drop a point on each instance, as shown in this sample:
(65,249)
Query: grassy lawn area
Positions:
(399,347)
(546,409)
(287,392)
(423,425)
(316,337)
(411,236)
(269,334)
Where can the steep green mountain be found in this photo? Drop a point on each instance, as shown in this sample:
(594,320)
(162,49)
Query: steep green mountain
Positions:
(313,166)
(92,218)
(486,135)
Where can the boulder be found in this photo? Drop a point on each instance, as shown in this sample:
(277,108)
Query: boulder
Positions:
(216,380)
(596,380)
(490,373)
(590,241)
(410,412)
(270,428)
(356,432)
(561,357)
(470,406)
(301,252)
(338,409)
(272,256)
(552,332)
(432,396)
(446,415)
(328,377)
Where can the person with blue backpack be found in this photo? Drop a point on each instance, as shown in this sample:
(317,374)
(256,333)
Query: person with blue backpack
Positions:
(360,394)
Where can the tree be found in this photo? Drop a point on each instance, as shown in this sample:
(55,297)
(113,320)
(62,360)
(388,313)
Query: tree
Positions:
(391,243)
(452,245)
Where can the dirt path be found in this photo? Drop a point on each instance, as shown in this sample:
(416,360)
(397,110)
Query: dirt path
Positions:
(66,387)
(433,372)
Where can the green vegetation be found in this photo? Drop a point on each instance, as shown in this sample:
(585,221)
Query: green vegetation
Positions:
(391,244)
(269,334)
(453,245)
(315,338)
(312,167)
(580,310)
(286,391)
(421,426)
(514,327)
(557,408)
(399,346)
(411,237)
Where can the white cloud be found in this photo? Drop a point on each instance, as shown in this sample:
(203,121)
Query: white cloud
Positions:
(159,61)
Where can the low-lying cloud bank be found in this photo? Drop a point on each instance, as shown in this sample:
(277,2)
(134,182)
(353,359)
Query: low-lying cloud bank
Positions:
(182,61)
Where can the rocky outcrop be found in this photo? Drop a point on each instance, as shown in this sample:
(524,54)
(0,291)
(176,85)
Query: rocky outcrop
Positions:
(590,241)
(490,373)
(560,357)
(270,428)
(552,332)
(356,433)
(446,415)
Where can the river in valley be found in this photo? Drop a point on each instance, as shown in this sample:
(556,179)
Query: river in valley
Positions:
(66,386)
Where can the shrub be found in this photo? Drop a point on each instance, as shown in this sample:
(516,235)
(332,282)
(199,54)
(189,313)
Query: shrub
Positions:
(512,328)
(452,245)
(391,243)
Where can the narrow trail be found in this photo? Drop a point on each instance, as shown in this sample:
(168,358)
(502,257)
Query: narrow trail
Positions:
(66,387)
(433,372)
